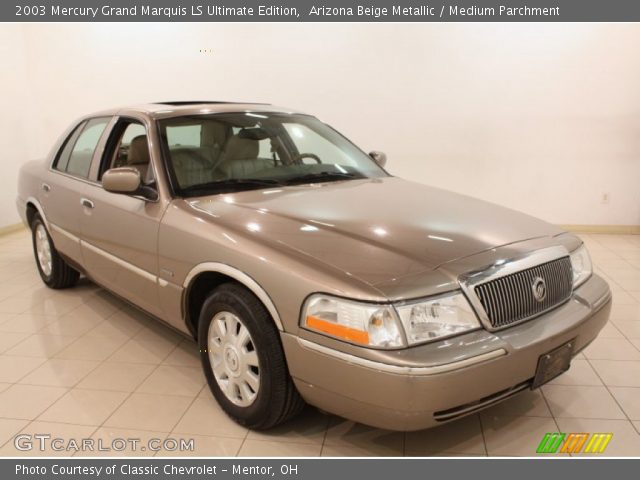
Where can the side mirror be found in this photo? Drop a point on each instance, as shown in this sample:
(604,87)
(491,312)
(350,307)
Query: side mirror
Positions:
(122,180)
(379,157)
(127,180)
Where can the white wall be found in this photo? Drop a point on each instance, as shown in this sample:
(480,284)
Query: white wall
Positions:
(13,122)
(544,118)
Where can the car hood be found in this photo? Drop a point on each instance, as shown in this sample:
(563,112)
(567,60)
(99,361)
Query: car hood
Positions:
(377,230)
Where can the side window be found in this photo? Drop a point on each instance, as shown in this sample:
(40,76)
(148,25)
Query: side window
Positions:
(77,153)
(128,147)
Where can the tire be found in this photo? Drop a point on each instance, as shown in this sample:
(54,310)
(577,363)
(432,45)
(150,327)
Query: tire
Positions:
(275,400)
(54,271)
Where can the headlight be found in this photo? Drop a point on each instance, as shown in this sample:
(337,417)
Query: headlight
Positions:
(382,325)
(581,265)
(356,322)
(438,317)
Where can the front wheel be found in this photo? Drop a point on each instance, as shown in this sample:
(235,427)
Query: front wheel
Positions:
(54,271)
(243,359)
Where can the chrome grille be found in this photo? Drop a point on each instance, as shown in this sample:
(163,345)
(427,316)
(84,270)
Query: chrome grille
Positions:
(510,299)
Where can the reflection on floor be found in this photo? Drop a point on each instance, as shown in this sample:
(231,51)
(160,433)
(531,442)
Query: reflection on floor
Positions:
(81,364)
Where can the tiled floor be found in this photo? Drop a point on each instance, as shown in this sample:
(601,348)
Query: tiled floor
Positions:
(79,363)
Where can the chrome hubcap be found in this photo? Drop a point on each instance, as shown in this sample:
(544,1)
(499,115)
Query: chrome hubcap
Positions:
(43,249)
(234,359)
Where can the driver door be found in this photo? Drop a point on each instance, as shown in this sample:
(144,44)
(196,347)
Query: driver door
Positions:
(120,232)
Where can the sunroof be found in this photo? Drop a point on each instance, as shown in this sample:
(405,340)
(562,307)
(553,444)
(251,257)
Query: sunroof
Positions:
(201,102)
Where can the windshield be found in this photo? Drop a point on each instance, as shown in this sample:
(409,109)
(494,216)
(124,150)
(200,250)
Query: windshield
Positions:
(226,152)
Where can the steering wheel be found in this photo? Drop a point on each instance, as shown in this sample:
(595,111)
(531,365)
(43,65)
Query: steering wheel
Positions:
(298,158)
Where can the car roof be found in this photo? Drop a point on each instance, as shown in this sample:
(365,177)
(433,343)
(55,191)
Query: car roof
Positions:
(179,108)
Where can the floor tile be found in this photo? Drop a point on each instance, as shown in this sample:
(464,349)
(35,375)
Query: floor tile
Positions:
(10,427)
(70,325)
(90,348)
(372,440)
(635,294)
(121,325)
(624,443)
(8,340)
(84,407)
(60,372)
(515,435)
(146,347)
(186,354)
(629,328)
(625,312)
(98,307)
(63,433)
(28,401)
(345,451)
(581,402)
(14,305)
(26,323)
(55,306)
(173,380)
(204,447)
(620,297)
(13,368)
(618,373)
(123,377)
(629,400)
(205,417)
(142,411)
(611,349)
(610,331)
(39,345)
(260,448)
(460,436)
(580,373)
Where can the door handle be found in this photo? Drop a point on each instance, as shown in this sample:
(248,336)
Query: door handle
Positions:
(46,187)
(85,202)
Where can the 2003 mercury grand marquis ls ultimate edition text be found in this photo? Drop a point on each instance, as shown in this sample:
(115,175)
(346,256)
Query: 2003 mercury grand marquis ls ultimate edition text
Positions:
(305,271)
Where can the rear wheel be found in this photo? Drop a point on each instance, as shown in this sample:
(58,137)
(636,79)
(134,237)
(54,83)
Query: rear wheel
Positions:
(54,271)
(243,359)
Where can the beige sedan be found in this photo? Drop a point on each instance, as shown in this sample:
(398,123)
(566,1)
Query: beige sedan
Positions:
(303,270)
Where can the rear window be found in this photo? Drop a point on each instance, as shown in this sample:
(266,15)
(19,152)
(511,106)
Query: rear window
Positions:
(184,135)
(76,154)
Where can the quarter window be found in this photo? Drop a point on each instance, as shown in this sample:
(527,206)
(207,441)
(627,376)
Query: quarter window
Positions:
(184,135)
(75,157)
(63,156)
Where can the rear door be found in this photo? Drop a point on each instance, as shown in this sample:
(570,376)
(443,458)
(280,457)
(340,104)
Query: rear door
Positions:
(120,232)
(64,187)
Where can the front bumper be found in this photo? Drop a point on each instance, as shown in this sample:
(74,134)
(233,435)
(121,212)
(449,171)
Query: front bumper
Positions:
(420,387)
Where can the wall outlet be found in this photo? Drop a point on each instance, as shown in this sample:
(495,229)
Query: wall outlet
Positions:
(604,199)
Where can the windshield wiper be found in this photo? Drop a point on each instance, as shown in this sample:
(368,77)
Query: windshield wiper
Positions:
(322,177)
(231,184)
